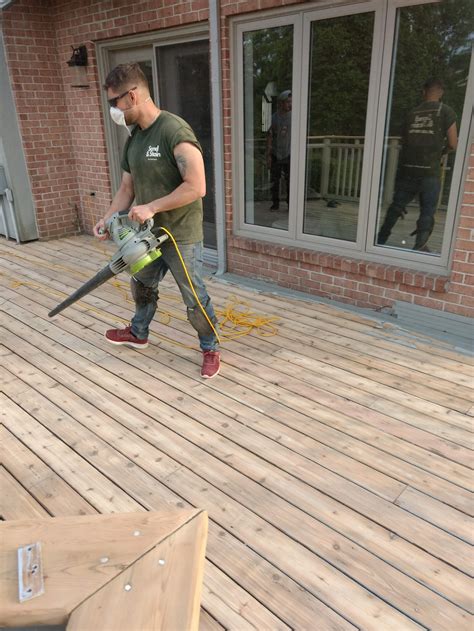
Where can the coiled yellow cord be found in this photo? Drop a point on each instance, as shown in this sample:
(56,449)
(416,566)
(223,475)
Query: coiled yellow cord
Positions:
(236,314)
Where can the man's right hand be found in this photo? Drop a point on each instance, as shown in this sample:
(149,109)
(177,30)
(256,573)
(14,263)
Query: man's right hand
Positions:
(100,231)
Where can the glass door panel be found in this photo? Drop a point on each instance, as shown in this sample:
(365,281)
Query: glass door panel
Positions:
(430,68)
(268,75)
(340,58)
(185,90)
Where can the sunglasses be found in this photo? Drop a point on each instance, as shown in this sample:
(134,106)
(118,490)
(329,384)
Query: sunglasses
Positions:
(113,101)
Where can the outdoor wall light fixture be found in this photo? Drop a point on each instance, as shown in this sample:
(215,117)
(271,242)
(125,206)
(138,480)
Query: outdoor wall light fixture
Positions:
(78,63)
(78,57)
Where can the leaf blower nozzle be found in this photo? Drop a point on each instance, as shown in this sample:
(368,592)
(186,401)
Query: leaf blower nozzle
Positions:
(93,283)
(137,248)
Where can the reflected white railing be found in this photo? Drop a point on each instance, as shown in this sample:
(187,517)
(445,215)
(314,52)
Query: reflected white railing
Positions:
(338,159)
(334,167)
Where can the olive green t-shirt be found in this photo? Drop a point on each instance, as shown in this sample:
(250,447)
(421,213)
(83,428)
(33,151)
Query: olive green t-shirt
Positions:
(148,157)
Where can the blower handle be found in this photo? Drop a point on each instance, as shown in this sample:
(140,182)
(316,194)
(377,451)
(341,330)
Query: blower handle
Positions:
(123,215)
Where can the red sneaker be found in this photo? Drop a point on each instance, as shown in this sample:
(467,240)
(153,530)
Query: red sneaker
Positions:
(125,337)
(211,364)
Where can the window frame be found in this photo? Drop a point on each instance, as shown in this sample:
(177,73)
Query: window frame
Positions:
(309,18)
(240,225)
(377,106)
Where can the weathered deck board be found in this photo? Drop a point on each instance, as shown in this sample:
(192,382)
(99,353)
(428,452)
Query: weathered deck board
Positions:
(16,502)
(155,408)
(165,390)
(342,323)
(437,484)
(393,393)
(333,458)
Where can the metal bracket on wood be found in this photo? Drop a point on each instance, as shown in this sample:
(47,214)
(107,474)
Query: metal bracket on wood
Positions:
(30,572)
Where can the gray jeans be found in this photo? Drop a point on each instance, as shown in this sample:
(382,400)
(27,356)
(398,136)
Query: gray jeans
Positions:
(145,292)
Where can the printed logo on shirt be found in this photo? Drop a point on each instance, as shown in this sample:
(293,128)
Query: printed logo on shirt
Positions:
(153,152)
(422,125)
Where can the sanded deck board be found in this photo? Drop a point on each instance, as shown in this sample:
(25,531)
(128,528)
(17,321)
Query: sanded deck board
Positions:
(107,403)
(15,501)
(270,348)
(44,485)
(30,429)
(301,313)
(437,464)
(426,416)
(432,510)
(240,598)
(145,498)
(100,252)
(299,499)
(425,439)
(292,493)
(142,497)
(419,391)
(454,494)
(339,388)
(339,322)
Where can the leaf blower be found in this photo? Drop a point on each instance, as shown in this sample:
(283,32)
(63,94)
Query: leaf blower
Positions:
(137,248)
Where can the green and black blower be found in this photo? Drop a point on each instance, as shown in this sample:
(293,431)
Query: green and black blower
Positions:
(137,248)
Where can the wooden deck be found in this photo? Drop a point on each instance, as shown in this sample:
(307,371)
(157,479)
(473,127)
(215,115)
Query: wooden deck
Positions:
(333,457)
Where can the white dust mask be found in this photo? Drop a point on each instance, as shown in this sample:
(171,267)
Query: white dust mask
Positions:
(118,116)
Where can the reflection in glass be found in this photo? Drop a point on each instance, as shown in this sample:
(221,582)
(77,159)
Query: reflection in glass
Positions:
(267,63)
(341,51)
(184,81)
(429,75)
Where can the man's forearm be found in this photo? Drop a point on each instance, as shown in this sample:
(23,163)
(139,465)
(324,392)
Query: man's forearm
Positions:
(181,196)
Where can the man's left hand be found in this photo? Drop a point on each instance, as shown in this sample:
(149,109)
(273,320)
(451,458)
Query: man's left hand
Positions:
(141,213)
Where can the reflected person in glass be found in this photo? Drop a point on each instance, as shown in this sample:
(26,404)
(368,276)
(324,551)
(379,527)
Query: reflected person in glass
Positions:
(429,132)
(279,147)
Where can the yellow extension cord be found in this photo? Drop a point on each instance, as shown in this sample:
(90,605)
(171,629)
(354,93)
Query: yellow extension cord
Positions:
(236,315)
(191,282)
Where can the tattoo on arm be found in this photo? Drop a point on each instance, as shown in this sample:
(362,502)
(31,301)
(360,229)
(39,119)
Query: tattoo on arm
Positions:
(182,164)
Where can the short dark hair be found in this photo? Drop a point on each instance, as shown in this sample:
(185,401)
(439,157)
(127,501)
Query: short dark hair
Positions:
(433,82)
(125,75)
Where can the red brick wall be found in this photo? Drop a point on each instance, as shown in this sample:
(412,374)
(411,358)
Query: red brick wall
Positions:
(63,134)
(62,126)
(35,71)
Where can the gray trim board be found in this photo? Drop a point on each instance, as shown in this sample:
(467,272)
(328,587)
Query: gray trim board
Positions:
(443,330)
(456,329)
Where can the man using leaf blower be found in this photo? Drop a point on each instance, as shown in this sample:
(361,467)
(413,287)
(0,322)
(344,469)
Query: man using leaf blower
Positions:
(163,171)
